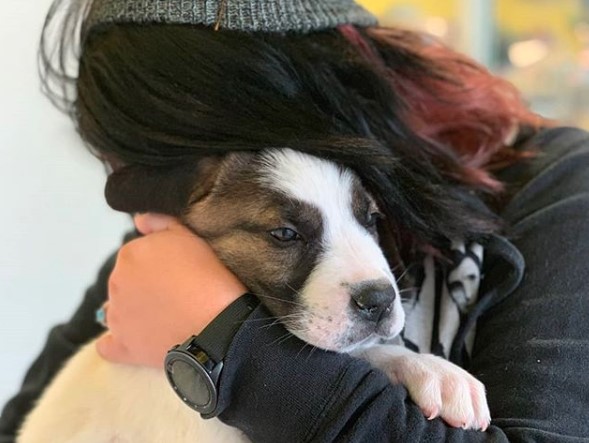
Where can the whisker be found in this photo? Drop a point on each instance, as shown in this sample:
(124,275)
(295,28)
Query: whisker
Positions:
(274,323)
(313,349)
(403,274)
(282,338)
(276,317)
(305,344)
(283,319)
(278,299)
(295,291)
(269,325)
(394,269)
(290,335)
(408,269)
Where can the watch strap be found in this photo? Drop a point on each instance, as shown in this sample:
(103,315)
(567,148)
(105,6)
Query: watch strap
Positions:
(216,338)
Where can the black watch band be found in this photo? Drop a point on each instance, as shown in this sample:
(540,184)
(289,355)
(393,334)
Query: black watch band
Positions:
(216,338)
(194,367)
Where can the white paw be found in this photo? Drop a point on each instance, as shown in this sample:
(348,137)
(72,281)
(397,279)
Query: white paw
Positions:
(442,389)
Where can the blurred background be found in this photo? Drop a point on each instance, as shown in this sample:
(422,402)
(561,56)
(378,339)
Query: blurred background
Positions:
(56,228)
(542,46)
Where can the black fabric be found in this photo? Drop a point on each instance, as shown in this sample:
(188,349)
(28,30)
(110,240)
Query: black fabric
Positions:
(216,338)
(531,348)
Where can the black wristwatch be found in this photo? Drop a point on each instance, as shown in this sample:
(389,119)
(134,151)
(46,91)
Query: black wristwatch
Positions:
(194,367)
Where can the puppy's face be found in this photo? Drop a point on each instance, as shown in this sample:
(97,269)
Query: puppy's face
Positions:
(300,233)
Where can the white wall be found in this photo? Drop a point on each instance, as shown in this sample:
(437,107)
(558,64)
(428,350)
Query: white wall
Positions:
(55,228)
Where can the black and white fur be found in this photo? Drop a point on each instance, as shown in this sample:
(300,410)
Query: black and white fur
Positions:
(317,265)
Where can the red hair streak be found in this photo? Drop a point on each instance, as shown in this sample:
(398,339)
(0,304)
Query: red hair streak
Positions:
(455,104)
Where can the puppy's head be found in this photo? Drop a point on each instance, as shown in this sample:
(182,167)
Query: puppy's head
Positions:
(300,232)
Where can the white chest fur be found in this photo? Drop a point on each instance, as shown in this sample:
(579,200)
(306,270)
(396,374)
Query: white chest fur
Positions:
(94,401)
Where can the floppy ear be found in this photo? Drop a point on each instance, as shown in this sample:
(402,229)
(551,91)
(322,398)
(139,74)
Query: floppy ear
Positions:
(166,190)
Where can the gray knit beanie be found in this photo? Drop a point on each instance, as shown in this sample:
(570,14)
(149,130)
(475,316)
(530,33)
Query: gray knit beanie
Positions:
(242,15)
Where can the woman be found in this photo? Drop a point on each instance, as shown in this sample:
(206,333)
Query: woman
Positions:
(157,97)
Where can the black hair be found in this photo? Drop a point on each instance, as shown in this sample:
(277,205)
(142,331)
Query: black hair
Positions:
(164,96)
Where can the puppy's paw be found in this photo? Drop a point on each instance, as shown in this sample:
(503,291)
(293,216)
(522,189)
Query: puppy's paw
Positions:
(442,389)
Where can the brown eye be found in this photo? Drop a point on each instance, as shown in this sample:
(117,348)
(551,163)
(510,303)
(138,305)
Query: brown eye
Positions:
(285,234)
(372,219)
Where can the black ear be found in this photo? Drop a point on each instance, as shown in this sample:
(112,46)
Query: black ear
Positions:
(138,188)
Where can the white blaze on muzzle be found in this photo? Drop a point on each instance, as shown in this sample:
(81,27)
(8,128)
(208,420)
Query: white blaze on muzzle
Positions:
(351,260)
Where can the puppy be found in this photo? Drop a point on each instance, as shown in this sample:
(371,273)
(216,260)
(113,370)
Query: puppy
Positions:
(299,232)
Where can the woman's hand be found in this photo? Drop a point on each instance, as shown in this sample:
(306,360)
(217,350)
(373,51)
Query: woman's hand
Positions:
(165,287)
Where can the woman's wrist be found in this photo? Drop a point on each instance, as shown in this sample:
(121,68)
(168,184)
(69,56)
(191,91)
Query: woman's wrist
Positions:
(195,366)
(165,287)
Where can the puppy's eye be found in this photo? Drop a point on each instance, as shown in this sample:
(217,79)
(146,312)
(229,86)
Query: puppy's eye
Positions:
(373,218)
(285,234)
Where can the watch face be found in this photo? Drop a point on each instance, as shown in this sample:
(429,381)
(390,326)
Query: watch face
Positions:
(193,377)
(189,383)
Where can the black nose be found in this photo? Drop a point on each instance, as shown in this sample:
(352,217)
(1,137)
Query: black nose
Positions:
(372,302)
